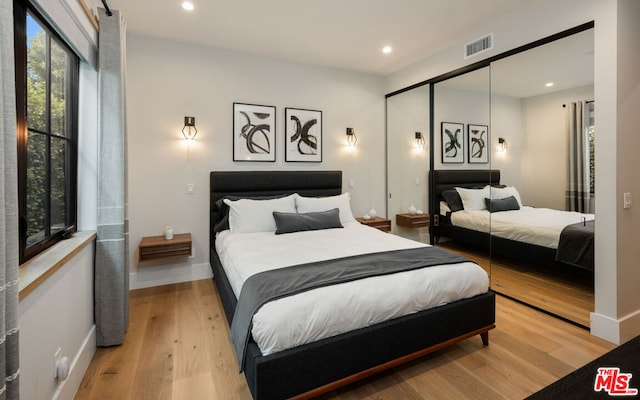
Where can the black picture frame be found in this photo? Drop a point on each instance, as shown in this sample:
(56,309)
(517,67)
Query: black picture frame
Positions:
(478,148)
(452,142)
(254,132)
(303,135)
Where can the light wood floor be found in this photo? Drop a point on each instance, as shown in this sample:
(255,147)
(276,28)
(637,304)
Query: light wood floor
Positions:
(567,293)
(177,347)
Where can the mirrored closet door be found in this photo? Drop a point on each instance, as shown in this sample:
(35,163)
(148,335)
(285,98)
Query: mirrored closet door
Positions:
(523,124)
(542,109)
(408,163)
(462,164)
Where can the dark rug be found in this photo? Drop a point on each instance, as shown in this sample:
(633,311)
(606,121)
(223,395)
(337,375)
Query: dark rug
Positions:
(619,380)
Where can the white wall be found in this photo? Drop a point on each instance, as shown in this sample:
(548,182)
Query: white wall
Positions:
(627,167)
(58,314)
(167,81)
(545,137)
(507,123)
(464,107)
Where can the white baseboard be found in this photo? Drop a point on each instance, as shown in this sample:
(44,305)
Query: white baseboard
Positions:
(605,327)
(617,331)
(145,277)
(67,389)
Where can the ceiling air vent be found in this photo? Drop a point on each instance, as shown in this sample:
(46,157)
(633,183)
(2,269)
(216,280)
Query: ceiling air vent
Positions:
(478,46)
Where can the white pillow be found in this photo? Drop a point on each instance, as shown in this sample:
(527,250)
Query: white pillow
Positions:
(444,208)
(315,204)
(248,215)
(503,193)
(473,199)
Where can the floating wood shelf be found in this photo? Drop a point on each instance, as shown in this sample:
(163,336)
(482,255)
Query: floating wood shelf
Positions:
(152,247)
(414,220)
(380,223)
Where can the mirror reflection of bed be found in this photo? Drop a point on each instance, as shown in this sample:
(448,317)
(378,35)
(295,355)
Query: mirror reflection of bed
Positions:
(527,100)
(540,256)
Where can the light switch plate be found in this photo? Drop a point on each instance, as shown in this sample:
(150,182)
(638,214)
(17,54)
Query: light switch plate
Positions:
(626,202)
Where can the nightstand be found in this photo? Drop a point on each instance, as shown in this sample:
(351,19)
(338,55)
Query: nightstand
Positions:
(152,247)
(380,223)
(414,220)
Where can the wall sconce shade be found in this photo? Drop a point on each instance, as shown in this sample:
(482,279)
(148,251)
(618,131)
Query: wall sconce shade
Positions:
(190,126)
(503,144)
(419,140)
(351,137)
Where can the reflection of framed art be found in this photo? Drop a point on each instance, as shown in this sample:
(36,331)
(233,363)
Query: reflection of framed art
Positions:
(452,135)
(254,132)
(478,144)
(303,135)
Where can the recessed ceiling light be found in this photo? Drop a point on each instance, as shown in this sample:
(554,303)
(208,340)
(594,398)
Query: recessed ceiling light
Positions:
(387,49)
(187,5)
(549,84)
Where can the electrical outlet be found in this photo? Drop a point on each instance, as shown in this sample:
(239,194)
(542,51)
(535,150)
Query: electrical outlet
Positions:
(56,360)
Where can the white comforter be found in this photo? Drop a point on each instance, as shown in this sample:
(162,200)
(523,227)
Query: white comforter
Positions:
(329,311)
(539,226)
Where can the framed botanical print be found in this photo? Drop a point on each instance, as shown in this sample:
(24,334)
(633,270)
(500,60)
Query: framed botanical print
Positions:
(452,142)
(303,135)
(478,143)
(254,132)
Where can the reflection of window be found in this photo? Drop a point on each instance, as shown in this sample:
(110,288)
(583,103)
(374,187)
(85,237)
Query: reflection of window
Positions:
(590,116)
(46,93)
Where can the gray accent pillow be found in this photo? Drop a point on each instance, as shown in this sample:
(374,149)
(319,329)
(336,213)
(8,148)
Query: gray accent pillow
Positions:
(506,204)
(311,221)
(452,197)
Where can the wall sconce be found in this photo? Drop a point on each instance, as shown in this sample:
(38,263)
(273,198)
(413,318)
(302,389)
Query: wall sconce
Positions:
(190,126)
(503,144)
(419,140)
(351,137)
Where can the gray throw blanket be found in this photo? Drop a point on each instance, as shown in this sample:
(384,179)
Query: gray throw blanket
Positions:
(576,245)
(271,285)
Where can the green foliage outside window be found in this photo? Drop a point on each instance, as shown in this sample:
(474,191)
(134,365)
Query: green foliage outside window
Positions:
(48,66)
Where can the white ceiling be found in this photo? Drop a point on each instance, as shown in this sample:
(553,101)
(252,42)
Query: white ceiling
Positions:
(347,34)
(567,63)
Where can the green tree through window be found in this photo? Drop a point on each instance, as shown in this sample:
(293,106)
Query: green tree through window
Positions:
(46,93)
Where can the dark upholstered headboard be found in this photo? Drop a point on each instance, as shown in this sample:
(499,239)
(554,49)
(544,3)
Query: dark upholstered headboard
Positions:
(270,183)
(446,179)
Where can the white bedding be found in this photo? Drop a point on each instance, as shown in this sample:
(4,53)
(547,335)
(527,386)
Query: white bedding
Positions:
(539,226)
(313,315)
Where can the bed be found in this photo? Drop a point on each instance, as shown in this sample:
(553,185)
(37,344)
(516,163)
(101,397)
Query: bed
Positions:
(315,367)
(536,235)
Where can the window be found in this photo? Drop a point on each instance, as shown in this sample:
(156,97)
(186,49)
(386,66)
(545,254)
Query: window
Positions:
(46,96)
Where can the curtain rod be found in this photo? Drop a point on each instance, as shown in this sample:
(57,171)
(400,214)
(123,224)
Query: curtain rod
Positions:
(106,7)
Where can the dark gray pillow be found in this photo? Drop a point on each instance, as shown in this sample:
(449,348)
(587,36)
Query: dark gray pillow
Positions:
(506,204)
(311,221)
(453,200)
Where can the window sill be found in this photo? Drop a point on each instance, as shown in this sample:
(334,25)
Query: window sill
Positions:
(38,269)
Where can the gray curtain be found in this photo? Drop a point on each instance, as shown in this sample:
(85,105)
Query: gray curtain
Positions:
(112,244)
(578,187)
(9,351)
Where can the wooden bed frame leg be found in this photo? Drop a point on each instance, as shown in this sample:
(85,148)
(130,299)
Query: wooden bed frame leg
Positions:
(485,338)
